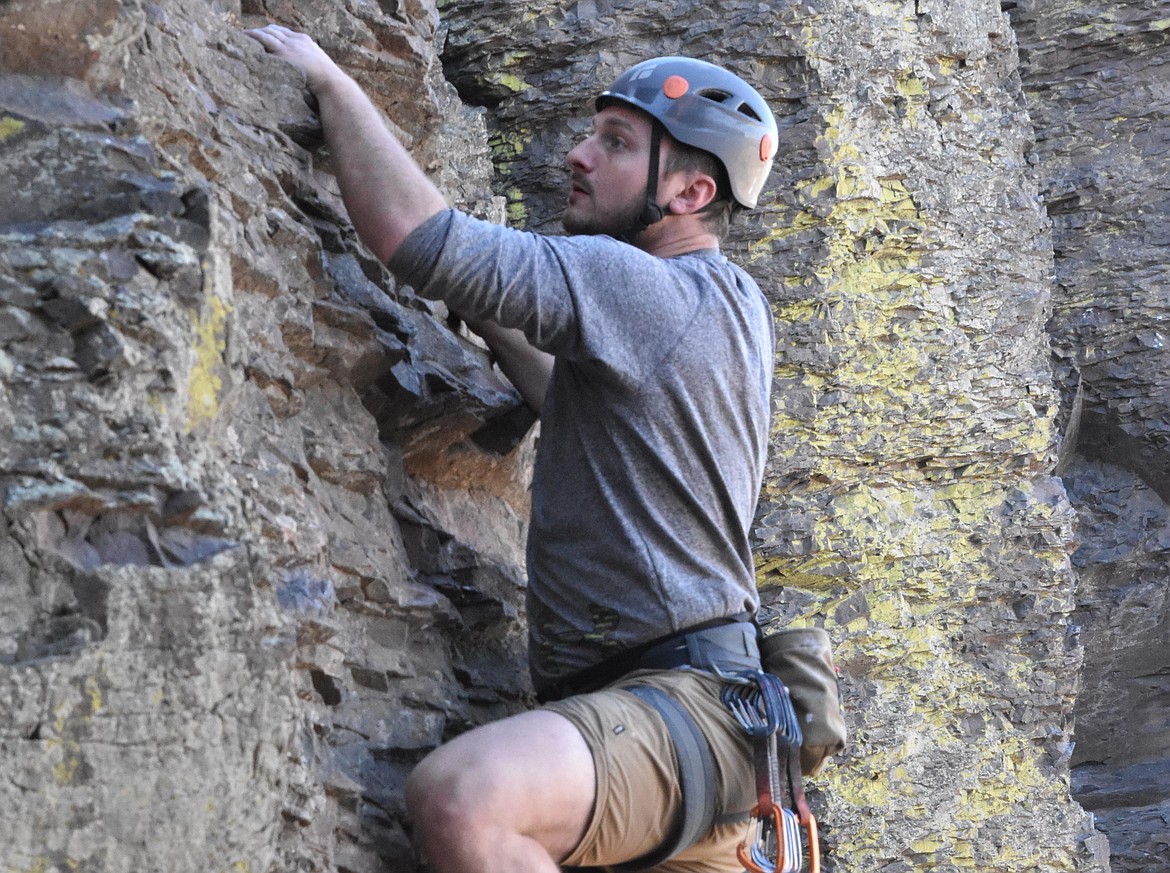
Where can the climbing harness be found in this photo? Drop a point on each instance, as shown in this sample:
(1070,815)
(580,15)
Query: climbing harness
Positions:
(762,706)
(718,647)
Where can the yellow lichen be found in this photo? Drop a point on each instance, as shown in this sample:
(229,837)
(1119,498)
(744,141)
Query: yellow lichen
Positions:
(517,212)
(895,513)
(10,127)
(513,83)
(507,147)
(204,382)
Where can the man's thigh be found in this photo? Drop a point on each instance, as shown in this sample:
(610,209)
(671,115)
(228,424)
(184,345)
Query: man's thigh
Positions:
(530,774)
(637,789)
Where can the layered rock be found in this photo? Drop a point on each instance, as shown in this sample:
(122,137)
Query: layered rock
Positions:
(260,551)
(1096,87)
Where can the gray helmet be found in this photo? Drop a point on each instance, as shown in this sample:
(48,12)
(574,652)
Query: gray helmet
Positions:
(709,108)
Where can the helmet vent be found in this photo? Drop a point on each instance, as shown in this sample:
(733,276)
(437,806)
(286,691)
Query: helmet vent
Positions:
(715,94)
(718,96)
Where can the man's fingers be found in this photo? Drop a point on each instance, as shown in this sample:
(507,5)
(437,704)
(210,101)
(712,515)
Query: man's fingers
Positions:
(266,40)
(270,36)
(298,49)
(276,30)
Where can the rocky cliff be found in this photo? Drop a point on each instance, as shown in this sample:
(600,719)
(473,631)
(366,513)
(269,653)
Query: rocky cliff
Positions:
(1096,89)
(264,509)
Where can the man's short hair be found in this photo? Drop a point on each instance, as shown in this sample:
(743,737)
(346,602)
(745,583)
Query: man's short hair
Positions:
(718,213)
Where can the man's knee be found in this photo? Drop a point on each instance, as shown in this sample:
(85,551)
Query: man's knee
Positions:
(435,801)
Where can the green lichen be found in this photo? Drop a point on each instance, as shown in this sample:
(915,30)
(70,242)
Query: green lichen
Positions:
(506,147)
(517,211)
(914,91)
(507,80)
(901,513)
(10,127)
(72,716)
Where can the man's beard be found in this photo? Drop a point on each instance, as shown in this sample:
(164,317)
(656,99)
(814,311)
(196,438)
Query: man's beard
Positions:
(615,224)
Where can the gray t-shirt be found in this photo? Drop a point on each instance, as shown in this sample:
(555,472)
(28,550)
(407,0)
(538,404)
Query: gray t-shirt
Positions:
(653,431)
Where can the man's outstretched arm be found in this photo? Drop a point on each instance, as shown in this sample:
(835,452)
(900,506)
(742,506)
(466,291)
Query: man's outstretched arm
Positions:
(386,193)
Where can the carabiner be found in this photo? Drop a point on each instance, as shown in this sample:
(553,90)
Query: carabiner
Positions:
(755,857)
(814,843)
(779,835)
(776,835)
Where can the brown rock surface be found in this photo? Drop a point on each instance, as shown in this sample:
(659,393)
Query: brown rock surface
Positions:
(239,603)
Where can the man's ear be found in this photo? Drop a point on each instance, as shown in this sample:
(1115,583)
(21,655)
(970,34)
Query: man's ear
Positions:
(698,190)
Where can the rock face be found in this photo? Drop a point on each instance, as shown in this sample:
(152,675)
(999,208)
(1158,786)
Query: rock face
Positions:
(234,455)
(1095,84)
(264,510)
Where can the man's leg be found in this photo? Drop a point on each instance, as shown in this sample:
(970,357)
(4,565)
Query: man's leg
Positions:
(513,796)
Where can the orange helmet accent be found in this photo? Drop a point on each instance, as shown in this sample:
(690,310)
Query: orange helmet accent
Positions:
(765,148)
(675,86)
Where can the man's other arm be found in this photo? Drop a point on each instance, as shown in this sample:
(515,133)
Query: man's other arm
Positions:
(527,367)
(386,193)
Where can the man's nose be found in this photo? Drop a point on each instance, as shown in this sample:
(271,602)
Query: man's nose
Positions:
(578,156)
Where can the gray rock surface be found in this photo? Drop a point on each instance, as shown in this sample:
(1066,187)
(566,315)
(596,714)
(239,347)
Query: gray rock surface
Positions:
(255,557)
(1096,87)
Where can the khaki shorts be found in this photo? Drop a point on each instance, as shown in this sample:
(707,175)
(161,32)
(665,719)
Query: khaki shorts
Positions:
(638,797)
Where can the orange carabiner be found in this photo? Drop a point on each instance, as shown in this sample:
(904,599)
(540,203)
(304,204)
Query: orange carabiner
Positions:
(814,844)
(752,851)
(755,857)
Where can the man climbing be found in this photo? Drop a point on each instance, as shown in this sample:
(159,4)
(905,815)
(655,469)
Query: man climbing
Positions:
(648,357)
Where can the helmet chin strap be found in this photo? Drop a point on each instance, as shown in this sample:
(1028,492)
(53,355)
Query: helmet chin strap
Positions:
(651,213)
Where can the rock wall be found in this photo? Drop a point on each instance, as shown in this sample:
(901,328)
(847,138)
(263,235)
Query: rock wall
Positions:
(263,510)
(910,505)
(235,457)
(1096,84)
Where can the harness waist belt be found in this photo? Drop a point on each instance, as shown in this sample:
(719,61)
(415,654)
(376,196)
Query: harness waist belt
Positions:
(722,646)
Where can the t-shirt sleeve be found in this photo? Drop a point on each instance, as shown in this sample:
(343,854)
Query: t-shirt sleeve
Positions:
(415,259)
(593,300)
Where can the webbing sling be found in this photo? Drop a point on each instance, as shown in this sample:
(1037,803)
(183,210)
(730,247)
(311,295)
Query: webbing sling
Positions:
(696,776)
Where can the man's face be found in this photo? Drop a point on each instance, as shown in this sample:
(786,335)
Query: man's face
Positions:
(609,172)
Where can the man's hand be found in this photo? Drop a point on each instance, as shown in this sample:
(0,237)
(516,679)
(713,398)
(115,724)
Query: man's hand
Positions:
(301,51)
(386,193)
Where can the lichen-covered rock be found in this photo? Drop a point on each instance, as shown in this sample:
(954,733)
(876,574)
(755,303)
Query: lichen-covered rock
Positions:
(909,506)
